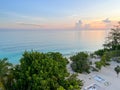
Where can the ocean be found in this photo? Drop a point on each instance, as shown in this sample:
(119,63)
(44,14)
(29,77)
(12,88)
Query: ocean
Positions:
(13,43)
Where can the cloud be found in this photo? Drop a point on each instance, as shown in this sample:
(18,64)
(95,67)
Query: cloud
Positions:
(79,24)
(29,24)
(108,23)
(107,20)
(82,26)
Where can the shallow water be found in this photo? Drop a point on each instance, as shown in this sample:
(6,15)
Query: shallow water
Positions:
(14,42)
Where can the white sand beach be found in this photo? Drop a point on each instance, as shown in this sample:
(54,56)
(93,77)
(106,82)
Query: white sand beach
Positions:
(109,79)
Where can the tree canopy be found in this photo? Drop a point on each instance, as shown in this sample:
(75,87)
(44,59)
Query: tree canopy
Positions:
(80,62)
(42,71)
(113,39)
(5,71)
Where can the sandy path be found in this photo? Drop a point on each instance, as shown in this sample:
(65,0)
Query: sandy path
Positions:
(106,73)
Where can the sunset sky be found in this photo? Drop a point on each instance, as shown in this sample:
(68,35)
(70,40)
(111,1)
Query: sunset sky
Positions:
(59,14)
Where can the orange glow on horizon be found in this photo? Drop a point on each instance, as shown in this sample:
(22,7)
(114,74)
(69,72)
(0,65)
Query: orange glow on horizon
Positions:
(93,24)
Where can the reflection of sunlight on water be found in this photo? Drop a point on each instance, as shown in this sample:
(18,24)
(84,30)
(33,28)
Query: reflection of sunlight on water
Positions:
(15,42)
(92,36)
(91,40)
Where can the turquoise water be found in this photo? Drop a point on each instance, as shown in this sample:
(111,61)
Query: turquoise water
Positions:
(14,42)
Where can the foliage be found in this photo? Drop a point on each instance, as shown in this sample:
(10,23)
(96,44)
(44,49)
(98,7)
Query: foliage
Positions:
(105,59)
(117,69)
(60,88)
(111,47)
(111,55)
(4,67)
(1,86)
(113,39)
(42,71)
(114,53)
(5,71)
(80,62)
(100,52)
(98,64)
(72,83)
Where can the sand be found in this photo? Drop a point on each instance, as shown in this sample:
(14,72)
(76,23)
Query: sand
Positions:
(107,73)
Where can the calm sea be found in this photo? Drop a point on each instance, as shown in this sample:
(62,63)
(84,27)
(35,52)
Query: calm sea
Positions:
(14,42)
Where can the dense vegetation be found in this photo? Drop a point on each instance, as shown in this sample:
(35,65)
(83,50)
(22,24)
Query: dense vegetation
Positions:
(39,71)
(5,73)
(105,59)
(80,62)
(113,39)
(111,48)
(100,52)
(112,42)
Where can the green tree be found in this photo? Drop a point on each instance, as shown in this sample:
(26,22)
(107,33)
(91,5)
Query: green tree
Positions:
(98,65)
(72,83)
(60,88)
(113,39)
(5,68)
(105,59)
(117,70)
(42,71)
(80,62)
(100,52)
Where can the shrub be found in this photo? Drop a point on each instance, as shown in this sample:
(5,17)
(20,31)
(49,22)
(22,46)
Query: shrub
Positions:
(80,62)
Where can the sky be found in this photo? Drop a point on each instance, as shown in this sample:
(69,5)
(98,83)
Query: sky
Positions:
(59,14)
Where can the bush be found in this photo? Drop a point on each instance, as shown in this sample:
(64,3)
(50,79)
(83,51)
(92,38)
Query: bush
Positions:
(100,52)
(80,63)
(98,64)
(117,70)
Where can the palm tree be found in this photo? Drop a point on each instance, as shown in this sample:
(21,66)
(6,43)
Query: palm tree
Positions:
(5,67)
